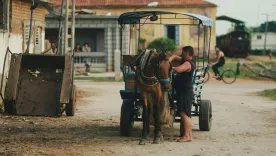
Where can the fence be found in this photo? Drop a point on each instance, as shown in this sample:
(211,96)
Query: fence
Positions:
(97,60)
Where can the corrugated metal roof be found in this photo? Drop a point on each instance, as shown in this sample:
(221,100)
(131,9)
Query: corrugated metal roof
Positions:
(137,3)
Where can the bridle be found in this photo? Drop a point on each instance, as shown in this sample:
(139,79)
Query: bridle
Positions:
(155,67)
(168,80)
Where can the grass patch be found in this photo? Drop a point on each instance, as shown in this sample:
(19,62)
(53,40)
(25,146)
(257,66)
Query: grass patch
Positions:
(96,79)
(244,74)
(269,93)
(273,64)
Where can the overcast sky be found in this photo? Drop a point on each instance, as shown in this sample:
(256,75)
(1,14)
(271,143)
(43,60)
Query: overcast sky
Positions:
(250,11)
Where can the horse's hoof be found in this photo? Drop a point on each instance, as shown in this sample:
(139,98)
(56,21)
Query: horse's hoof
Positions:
(142,142)
(156,140)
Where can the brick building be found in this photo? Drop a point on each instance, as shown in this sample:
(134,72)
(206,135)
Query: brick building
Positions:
(14,27)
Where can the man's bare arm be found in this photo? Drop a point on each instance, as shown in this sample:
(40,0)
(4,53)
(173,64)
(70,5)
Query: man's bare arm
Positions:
(175,58)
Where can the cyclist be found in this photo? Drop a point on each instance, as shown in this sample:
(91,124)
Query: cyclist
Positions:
(219,62)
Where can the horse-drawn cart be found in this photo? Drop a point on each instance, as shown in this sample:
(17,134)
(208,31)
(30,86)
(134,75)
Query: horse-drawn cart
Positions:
(132,106)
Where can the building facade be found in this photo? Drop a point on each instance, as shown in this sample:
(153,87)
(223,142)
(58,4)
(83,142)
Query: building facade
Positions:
(258,40)
(100,32)
(15,27)
(102,9)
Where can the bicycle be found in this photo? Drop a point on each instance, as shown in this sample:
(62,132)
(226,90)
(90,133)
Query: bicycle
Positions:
(228,76)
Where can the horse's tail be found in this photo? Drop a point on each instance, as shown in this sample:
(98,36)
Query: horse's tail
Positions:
(166,119)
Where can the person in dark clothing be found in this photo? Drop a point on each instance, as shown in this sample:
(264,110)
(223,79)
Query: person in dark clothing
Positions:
(220,61)
(238,67)
(78,48)
(184,89)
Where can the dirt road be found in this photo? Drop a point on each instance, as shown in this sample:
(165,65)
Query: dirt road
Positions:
(243,124)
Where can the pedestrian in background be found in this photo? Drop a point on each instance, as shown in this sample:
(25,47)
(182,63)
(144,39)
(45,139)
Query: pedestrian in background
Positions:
(270,55)
(86,48)
(238,67)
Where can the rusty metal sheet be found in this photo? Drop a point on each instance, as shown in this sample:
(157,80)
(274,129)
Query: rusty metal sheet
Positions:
(39,98)
(66,88)
(14,72)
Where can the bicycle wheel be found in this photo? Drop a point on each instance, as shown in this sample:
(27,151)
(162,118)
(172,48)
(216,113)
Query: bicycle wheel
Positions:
(228,76)
(207,77)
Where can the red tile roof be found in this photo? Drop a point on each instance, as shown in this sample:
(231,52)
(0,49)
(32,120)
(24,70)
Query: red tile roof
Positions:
(137,3)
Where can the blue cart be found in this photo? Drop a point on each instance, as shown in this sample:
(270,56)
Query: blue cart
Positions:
(132,106)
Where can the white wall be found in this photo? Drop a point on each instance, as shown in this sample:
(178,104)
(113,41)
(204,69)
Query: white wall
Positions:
(16,43)
(259,43)
(3,48)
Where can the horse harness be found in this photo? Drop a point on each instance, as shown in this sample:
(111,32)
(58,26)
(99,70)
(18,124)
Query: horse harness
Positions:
(143,62)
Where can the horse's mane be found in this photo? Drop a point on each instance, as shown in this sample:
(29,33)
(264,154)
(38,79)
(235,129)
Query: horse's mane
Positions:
(150,57)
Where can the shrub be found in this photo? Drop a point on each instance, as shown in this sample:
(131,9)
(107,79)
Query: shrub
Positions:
(260,52)
(162,44)
(142,40)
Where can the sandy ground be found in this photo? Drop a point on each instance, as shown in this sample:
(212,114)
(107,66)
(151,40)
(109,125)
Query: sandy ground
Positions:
(243,124)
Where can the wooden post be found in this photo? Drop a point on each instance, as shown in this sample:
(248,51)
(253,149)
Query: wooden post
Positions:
(66,26)
(117,65)
(73,26)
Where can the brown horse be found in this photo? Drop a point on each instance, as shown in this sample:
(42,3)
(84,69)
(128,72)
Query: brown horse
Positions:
(153,72)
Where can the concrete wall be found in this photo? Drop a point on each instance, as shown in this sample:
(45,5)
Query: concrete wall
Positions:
(258,44)
(3,47)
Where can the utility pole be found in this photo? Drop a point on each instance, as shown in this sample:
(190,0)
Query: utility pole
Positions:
(266,26)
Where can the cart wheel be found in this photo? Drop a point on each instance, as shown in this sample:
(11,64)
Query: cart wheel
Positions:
(207,77)
(126,120)
(71,106)
(205,115)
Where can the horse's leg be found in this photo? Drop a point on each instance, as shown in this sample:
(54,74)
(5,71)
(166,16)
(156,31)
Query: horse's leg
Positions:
(145,117)
(157,129)
(148,121)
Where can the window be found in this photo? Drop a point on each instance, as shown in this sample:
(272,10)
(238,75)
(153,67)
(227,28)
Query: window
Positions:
(3,14)
(26,34)
(172,32)
(38,38)
(259,37)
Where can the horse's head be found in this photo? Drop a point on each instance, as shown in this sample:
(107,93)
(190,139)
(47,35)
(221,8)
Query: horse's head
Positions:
(162,68)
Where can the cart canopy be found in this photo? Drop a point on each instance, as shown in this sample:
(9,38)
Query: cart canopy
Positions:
(134,17)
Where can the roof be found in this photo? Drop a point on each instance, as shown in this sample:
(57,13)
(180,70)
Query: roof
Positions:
(134,17)
(138,3)
(230,19)
(89,16)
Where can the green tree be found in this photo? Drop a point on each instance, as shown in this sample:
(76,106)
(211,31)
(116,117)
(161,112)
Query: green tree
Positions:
(271,27)
(162,44)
